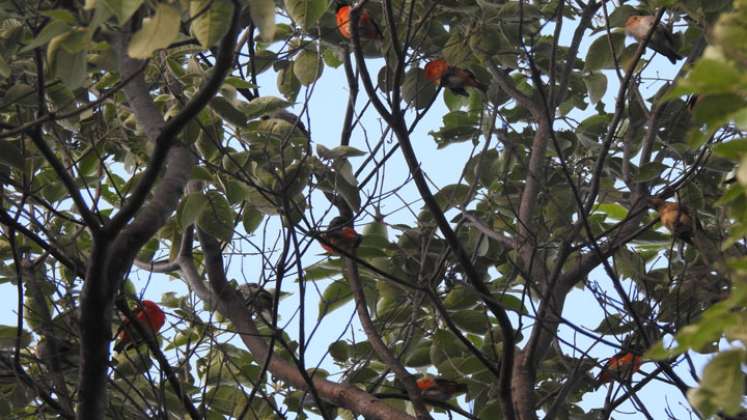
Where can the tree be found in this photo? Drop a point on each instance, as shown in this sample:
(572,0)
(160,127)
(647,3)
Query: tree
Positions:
(141,137)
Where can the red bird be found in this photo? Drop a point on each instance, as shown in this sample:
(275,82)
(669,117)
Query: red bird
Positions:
(340,235)
(620,367)
(149,316)
(455,78)
(439,389)
(367,28)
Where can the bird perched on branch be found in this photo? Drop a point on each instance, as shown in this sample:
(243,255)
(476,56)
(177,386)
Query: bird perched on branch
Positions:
(340,235)
(662,40)
(454,78)
(676,218)
(367,27)
(257,299)
(620,367)
(150,317)
(439,389)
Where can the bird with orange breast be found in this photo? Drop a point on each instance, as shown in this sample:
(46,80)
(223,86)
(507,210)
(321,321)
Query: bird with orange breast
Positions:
(150,317)
(367,27)
(620,367)
(662,40)
(340,236)
(454,78)
(439,389)
(675,217)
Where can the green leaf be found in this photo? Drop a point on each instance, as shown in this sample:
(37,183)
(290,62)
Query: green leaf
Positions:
(122,9)
(650,171)
(512,303)
(596,84)
(734,149)
(332,57)
(599,55)
(212,20)
(346,185)
(308,67)
(264,105)
(473,321)
(323,269)
(69,67)
(288,84)
(444,346)
(306,13)
(158,31)
(227,111)
(613,210)
(338,152)
(711,77)
(416,89)
(335,295)
(461,297)
(252,219)
(340,351)
(452,195)
(217,217)
(420,356)
(51,30)
(722,385)
(190,208)
(263,15)
(11,155)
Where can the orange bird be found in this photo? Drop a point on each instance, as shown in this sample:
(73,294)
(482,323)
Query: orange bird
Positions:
(149,316)
(455,78)
(439,389)
(340,235)
(367,28)
(620,367)
(662,41)
(675,218)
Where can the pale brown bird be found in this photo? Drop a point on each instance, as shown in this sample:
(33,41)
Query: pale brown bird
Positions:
(662,40)
(676,218)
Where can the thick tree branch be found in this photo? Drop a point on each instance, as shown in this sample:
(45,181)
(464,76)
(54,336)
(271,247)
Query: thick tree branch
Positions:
(115,248)
(397,123)
(378,345)
(228,302)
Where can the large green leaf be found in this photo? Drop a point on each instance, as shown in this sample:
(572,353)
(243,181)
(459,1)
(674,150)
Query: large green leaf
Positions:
(67,58)
(211,20)
(122,9)
(190,208)
(722,385)
(599,55)
(263,16)
(335,295)
(217,216)
(158,31)
(308,67)
(306,13)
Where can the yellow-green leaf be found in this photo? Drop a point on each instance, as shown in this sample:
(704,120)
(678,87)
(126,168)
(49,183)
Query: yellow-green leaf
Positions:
(307,67)
(157,32)
(122,9)
(263,15)
(306,13)
(722,385)
(212,20)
